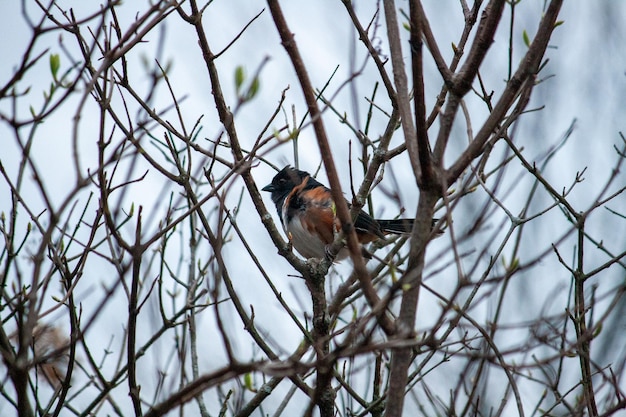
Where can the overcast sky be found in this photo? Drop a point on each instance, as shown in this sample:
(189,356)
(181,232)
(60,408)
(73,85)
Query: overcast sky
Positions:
(584,83)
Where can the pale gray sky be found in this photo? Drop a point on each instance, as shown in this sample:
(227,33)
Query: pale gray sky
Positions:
(585,80)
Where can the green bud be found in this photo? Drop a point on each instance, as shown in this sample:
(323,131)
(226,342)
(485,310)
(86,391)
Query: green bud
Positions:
(247,381)
(526,38)
(254,88)
(55,64)
(240,76)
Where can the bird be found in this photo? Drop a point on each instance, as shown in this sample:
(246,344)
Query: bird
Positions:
(307,213)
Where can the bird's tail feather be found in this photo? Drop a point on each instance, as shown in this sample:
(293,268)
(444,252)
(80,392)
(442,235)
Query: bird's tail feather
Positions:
(399,226)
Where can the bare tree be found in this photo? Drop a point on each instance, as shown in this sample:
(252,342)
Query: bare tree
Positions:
(135,235)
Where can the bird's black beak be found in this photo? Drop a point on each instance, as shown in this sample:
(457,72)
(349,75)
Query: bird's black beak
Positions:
(269,187)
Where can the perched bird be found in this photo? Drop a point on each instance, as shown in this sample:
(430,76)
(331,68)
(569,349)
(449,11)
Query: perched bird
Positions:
(307,212)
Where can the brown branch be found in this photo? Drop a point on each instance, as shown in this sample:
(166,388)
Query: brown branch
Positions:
(227,120)
(196,387)
(418,15)
(137,253)
(524,74)
(416,140)
(410,283)
(402,89)
(324,395)
(242,166)
(580,323)
(363,37)
(343,213)
(423,145)
(462,80)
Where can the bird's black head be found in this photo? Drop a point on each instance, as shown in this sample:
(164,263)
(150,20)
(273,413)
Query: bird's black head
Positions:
(283,183)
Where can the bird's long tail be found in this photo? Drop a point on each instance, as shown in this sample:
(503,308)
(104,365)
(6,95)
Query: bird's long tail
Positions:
(399,226)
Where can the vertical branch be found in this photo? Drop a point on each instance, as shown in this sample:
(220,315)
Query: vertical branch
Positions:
(75,334)
(19,376)
(410,283)
(137,253)
(191,295)
(582,334)
(402,89)
(324,395)
(416,140)
(416,42)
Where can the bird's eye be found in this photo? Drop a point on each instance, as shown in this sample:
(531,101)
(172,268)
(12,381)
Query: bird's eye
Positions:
(282,181)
